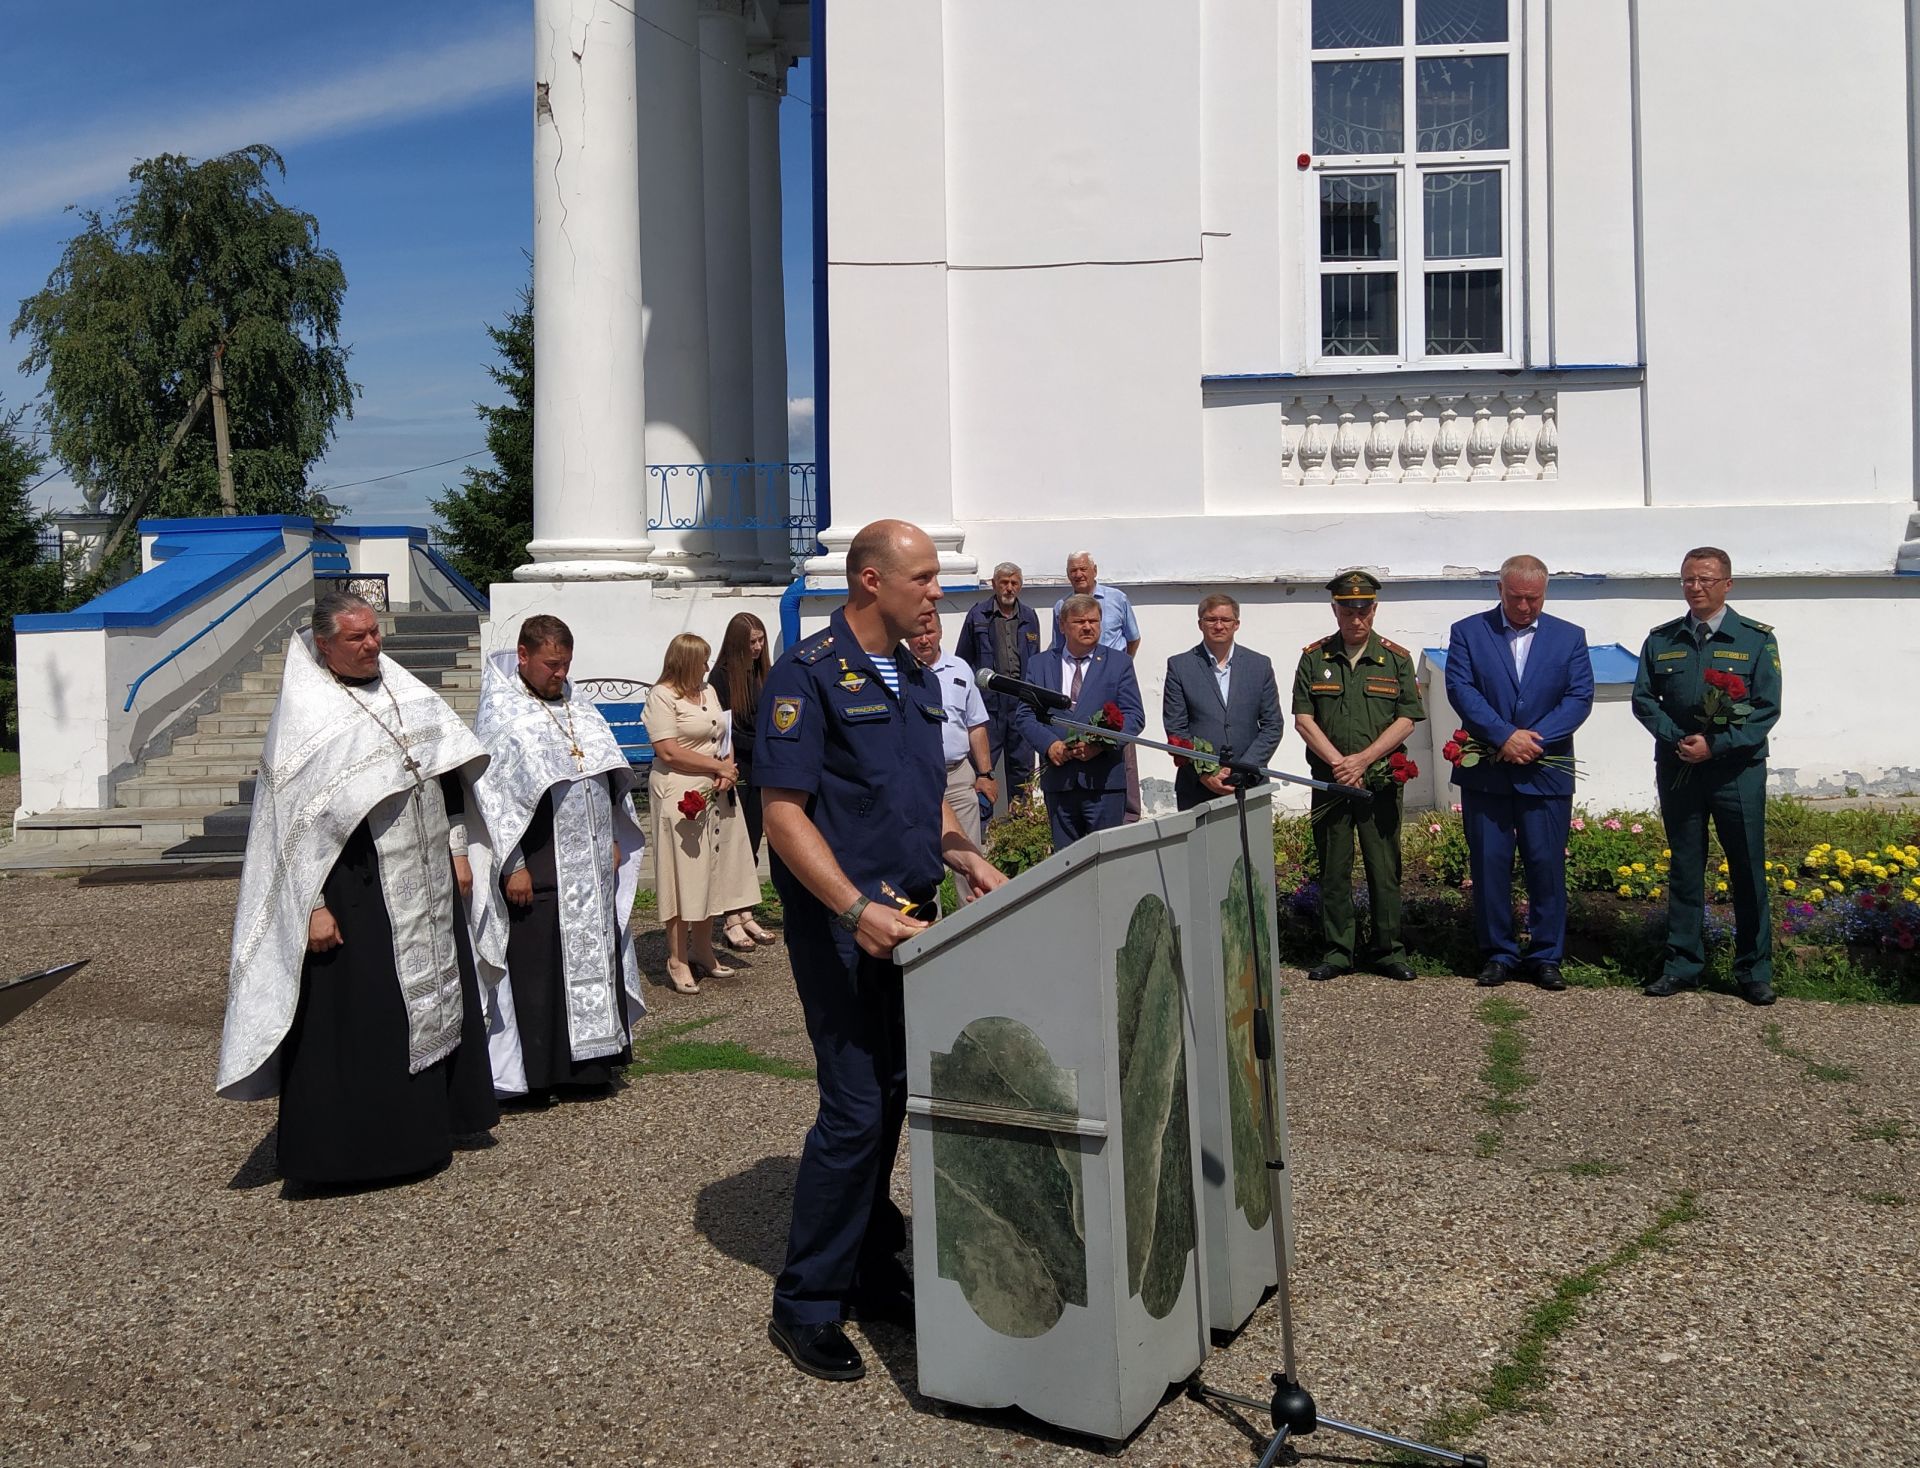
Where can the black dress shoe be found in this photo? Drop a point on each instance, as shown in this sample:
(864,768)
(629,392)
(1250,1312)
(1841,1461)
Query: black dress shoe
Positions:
(1494,975)
(1321,972)
(819,1350)
(1397,971)
(1546,976)
(1757,991)
(1668,984)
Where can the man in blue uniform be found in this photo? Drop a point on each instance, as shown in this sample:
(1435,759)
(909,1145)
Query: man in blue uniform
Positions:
(852,783)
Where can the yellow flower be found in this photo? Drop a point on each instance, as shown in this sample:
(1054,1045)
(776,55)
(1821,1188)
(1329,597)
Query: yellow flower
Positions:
(1623,870)
(1724,868)
(1666,853)
(1789,885)
(1639,866)
(1652,892)
(1910,862)
(1817,894)
(1660,866)
(1719,886)
(1836,885)
(1880,873)
(1624,890)
(1911,850)
(1842,856)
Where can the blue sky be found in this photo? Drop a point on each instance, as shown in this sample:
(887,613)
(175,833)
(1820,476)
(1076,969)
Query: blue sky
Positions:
(406,132)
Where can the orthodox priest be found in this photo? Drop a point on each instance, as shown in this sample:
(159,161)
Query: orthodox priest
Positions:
(352,993)
(558,798)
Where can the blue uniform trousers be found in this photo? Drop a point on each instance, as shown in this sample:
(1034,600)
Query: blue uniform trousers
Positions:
(1004,738)
(1076,813)
(1537,826)
(845,1223)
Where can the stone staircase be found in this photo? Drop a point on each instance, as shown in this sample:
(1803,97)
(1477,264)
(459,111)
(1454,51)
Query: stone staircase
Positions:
(194,802)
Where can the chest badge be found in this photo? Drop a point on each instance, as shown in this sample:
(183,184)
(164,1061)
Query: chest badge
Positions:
(851,681)
(786,713)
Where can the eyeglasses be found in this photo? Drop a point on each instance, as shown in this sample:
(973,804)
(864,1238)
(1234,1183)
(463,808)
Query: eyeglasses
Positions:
(1703,580)
(1219,621)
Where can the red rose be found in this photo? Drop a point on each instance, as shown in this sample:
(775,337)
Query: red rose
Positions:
(1453,752)
(692,804)
(1110,711)
(1461,736)
(1736,686)
(1180,741)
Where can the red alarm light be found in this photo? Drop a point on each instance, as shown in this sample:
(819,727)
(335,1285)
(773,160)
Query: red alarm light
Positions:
(1305,160)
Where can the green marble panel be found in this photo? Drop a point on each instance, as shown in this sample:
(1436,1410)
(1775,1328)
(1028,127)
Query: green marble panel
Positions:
(1250,1188)
(1009,1217)
(1155,1135)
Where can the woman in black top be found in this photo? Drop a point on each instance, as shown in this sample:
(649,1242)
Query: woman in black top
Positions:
(738,675)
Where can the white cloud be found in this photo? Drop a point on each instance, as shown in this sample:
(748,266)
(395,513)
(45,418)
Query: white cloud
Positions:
(800,430)
(79,169)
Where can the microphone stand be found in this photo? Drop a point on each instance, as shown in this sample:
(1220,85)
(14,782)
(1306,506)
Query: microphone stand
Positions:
(1291,1409)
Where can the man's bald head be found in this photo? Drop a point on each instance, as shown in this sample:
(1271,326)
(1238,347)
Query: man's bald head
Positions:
(885,546)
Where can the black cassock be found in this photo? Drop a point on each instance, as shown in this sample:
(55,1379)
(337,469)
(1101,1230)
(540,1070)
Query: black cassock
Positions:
(534,969)
(349,1110)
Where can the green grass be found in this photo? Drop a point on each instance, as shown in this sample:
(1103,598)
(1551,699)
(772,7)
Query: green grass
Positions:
(1885,1200)
(1596,1169)
(1890,1131)
(9,762)
(1503,1074)
(1774,1038)
(1516,1380)
(664,1052)
(1487,1144)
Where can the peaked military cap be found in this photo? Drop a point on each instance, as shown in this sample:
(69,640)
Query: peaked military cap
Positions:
(1354,586)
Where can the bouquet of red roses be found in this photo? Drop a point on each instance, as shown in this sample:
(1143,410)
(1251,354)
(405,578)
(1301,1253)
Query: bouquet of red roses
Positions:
(693,805)
(1199,747)
(1464,751)
(1395,769)
(1724,703)
(1109,717)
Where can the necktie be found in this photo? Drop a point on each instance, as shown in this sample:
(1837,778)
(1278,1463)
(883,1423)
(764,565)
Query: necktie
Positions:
(1079,668)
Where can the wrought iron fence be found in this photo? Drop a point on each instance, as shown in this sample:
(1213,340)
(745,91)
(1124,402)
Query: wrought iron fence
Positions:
(740,497)
(47,544)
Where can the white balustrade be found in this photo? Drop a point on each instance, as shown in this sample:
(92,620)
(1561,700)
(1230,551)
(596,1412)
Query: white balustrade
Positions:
(1419,438)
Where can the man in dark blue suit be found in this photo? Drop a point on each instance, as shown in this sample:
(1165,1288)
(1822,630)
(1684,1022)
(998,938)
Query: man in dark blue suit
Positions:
(1222,694)
(1521,682)
(1085,783)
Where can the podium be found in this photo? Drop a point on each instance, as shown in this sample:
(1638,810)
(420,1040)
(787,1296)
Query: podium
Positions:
(1082,1137)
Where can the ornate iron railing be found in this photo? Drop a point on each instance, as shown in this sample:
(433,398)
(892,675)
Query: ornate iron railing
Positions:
(740,497)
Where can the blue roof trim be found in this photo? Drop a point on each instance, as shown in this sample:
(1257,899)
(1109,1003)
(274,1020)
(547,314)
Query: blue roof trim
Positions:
(466,588)
(1558,369)
(1612,662)
(192,565)
(227,522)
(382,532)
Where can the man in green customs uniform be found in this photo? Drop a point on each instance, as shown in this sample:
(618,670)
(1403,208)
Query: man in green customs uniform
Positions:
(1354,704)
(1717,771)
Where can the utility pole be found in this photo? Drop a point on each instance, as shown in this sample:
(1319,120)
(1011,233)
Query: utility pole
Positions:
(222,449)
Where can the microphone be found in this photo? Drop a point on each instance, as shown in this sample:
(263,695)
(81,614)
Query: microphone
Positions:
(1036,694)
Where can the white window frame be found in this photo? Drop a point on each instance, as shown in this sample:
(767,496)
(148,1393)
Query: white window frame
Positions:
(1410,168)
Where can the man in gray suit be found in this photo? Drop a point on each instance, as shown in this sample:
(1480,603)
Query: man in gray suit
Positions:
(1223,694)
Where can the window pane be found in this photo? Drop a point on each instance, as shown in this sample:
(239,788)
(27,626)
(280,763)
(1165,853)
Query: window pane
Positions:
(1357,217)
(1462,215)
(1458,22)
(1360,315)
(1340,25)
(1357,107)
(1463,313)
(1461,102)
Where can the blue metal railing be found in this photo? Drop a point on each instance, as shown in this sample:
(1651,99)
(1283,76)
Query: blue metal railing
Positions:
(133,688)
(445,567)
(729,496)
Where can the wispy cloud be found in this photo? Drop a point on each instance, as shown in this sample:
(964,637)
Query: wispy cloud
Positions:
(79,169)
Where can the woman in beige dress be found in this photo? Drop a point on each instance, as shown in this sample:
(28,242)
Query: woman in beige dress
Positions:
(703,864)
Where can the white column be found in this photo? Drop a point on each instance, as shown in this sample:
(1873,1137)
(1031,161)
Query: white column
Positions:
(589,451)
(724,85)
(769,310)
(673,239)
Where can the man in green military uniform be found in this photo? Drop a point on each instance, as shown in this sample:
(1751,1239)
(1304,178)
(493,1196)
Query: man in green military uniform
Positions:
(1704,769)
(1354,703)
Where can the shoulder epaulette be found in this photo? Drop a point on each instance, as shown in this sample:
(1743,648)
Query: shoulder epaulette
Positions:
(1673,626)
(814,648)
(1396,647)
(1760,626)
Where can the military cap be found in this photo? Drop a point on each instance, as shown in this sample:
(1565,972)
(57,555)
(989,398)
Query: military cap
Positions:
(1354,586)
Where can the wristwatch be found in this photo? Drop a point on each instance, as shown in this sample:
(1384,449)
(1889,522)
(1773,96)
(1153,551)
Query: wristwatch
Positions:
(850,919)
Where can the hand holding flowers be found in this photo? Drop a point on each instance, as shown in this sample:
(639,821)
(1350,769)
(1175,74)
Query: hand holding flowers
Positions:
(1464,752)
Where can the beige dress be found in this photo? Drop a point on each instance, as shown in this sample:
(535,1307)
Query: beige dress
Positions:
(704,866)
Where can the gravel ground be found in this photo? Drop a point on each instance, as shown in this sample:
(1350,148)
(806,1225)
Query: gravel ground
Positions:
(593,1287)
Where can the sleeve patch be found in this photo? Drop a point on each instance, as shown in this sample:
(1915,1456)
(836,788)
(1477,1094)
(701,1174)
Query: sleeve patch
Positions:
(785,718)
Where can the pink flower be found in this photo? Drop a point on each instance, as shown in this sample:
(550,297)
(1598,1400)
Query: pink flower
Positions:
(1579,823)
(1434,829)
(1456,807)
(1612,823)
(1465,882)
(1635,828)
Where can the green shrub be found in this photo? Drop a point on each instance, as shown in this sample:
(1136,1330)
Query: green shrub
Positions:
(1021,838)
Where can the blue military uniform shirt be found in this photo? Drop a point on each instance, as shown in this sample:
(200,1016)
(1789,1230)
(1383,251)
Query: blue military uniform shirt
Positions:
(869,763)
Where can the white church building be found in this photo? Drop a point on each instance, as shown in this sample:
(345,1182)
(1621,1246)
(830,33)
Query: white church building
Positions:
(1232,294)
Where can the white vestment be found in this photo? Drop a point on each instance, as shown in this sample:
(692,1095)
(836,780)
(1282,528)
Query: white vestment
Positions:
(532,744)
(334,758)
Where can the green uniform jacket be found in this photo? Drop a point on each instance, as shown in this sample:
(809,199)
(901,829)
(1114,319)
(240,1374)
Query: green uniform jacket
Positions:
(1353,703)
(1671,681)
